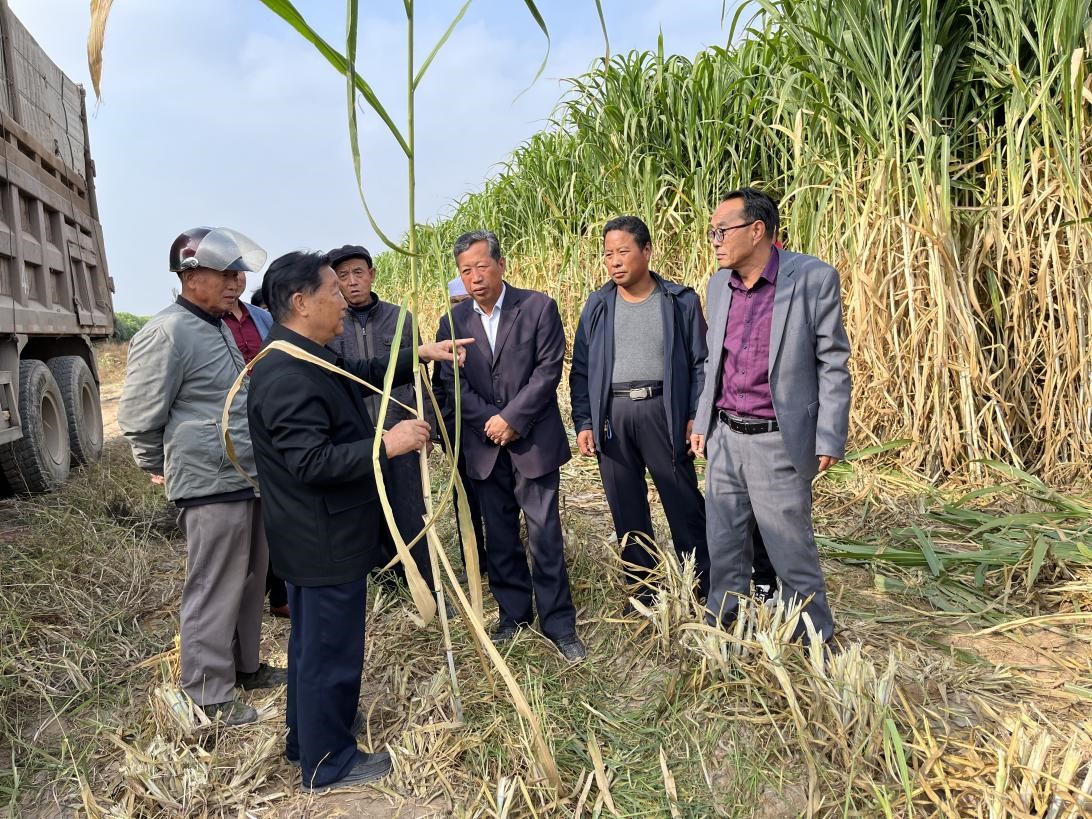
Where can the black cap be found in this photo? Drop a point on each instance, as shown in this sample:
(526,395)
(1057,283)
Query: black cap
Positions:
(349,252)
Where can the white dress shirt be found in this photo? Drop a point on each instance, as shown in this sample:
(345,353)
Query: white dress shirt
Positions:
(491,322)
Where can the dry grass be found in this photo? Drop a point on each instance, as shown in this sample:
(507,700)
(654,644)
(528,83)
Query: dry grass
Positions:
(926,706)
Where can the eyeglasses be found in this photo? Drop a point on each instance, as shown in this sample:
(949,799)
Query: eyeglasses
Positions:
(718,234)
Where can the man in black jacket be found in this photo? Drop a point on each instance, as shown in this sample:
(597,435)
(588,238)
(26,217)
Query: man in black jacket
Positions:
(313,443)
(369,333)
(638,362)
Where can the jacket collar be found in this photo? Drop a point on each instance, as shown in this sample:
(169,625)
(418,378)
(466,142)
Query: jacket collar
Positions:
(201,313)
(608,290)
(278,332)
(367,309)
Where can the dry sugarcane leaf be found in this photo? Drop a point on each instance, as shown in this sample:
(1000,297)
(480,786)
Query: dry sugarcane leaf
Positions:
(542,751)
(96,37)
(669,786)
(600,772)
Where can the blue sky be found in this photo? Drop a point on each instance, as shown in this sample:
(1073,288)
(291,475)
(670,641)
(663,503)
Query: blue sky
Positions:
(216,112)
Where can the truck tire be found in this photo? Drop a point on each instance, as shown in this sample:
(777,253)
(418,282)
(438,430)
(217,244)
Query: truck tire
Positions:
(39,461)
(81,404)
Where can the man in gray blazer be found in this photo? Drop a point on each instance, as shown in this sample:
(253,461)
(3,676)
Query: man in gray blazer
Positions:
(514,439)
(774,410)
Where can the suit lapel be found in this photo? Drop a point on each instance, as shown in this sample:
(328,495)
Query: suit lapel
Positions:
(720,320)
(786,284)
(508,316)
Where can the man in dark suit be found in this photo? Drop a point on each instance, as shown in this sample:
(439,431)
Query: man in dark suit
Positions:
(313,441)
(514,439)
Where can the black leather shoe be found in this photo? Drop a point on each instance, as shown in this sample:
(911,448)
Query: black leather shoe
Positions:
(504,632)
(367,768)
(571,648)
(267,676)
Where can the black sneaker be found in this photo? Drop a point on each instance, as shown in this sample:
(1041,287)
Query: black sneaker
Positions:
(504,632)
(368,768)
(232,712)
(571,648)
(357,729)
(267,676)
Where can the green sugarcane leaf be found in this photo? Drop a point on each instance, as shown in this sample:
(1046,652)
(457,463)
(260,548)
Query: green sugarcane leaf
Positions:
(980,576)
(351,88)
(931,558)
(1038,555)
(885,583)
(985,491)
(892,741)
(440,44)
(531,7)
(606,38)
(878,449)
(287,12)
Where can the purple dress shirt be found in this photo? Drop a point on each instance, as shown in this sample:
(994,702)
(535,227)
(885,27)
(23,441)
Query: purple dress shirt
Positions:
(745,378)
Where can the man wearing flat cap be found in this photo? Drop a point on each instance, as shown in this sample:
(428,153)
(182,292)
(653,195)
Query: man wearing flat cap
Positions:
(369,332)
(181,365)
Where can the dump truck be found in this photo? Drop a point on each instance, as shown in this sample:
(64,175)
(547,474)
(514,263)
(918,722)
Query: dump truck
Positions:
(55,290)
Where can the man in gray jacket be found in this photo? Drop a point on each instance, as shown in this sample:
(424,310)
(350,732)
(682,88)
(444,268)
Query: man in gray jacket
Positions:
(774,410)
(181,365)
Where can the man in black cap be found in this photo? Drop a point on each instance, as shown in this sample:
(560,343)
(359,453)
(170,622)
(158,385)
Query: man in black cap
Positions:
(369,332)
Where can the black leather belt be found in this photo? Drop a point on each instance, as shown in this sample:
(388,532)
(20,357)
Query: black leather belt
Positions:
(638,393)
(746,427)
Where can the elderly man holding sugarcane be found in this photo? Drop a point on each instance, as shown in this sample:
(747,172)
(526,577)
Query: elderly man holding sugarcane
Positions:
(181,365)
(774,410)
(313,443)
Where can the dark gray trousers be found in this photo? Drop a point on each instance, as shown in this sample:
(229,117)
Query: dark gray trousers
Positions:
(750,478)
(638,439)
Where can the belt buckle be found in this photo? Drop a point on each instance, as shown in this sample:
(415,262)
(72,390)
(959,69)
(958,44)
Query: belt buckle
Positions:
(640,393)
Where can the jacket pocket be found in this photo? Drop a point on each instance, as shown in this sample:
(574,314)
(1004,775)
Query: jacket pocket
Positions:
(198,446)
(341,501)
(347,513)
(813,409)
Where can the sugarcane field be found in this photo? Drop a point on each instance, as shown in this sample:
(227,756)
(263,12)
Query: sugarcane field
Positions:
(692,417)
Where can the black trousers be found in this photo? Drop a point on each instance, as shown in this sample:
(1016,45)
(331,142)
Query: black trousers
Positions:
(638,439)
(475,515)
(408,505)
(325,661)
(503,495)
